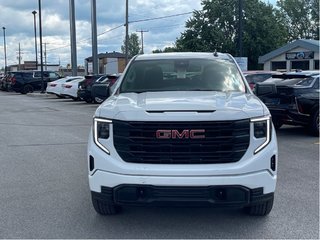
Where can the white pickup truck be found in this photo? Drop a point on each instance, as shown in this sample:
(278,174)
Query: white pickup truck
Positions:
(182,129)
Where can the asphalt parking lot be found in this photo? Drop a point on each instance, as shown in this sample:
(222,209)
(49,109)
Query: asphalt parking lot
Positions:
(44,191)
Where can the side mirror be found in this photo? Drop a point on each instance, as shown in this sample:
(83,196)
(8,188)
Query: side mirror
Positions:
(265,89)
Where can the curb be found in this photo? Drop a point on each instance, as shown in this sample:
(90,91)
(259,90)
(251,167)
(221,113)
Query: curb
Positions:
(38,94)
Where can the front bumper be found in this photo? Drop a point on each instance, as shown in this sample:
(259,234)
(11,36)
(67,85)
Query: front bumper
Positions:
(149,195)
(262,179)
(289,116)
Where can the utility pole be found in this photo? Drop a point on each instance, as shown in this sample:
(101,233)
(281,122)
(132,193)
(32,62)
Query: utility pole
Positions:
(94,37)
(5,49)
(240,27)
(35,36)
(19,58)
(41,57)
(45,55)
(73,38)
(141,32)
(127,30)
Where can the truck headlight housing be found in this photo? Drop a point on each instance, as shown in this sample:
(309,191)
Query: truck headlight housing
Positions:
(262,130)
(101,131)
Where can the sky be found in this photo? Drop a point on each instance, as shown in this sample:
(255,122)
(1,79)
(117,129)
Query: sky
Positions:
(16,16)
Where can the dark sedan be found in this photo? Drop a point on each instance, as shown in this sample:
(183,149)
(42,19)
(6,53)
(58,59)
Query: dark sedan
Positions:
(292,99)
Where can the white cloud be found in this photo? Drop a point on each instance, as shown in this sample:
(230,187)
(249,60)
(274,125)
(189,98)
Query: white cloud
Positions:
(16,16)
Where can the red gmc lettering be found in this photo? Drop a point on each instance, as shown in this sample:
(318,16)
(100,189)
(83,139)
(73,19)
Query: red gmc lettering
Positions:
(184,134)
(196,134)
(163,134)
(174,134)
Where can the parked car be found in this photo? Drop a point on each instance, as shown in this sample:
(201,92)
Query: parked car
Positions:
(182,129)
(55,87)
(70,89)
(3,85)
(292,98)
(6,82)
(29,81)
(84,91)
(100,91)
(254,77)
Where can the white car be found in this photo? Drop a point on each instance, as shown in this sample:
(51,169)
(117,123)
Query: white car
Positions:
(182,129)
(55,87)
(70,89)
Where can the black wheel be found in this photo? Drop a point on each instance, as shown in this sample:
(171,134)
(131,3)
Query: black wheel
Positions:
(27,89)
(277,124)
(75,98)
(314,124)
(105,207)
(88,100)
(97,100)
(261,209)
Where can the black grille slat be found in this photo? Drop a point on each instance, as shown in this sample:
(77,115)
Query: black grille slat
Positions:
(225,142)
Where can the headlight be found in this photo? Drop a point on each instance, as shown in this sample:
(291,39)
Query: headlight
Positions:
(101,131)
(262,130)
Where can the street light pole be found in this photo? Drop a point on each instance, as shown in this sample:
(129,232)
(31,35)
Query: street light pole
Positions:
(41,57)
(35,36)
(127,32)
(94,37)
(5,49)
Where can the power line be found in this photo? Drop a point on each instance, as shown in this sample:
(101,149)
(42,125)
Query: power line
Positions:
(156,18)
(87,39)
(135,21)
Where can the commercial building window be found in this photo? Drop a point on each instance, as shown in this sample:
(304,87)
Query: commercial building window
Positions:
(316,64)
(303,65)
(278,66)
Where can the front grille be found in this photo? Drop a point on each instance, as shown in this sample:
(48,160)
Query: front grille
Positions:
(224,142)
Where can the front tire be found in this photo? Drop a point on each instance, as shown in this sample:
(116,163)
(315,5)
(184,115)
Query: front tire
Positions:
(314,124)
(75,98)
(104,207)
(97,100)
(27,89)
(88,100)
(260,209)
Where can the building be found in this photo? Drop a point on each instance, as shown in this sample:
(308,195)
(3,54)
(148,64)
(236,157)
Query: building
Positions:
(300,54)
(109,63)
(65,71)
(31,65)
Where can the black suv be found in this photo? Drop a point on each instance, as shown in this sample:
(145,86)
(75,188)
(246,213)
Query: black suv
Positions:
(84,91)
(102,90)
(29,81)
(292,98)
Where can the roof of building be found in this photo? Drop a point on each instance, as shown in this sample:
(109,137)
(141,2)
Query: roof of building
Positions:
(108,55)
(312,45)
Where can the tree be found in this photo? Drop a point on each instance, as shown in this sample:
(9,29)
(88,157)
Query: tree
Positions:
(264,31)
(133,45)
(216,28)
(302,18)
(166,49)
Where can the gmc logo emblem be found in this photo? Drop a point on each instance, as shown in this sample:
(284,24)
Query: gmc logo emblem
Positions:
(186,134)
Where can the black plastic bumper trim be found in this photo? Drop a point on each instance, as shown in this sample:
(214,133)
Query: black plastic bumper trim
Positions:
(149,195)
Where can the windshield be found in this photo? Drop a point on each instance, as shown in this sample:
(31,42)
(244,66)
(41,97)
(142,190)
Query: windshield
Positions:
(182,75)
(306,82)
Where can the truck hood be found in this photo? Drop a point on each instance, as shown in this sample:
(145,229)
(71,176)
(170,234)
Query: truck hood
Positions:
(177,105)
